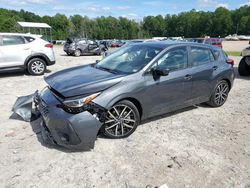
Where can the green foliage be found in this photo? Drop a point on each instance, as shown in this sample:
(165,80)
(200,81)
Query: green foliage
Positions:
(193,23)
(234,53)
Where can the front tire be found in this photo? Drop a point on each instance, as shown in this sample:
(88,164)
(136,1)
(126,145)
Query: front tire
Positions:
(244,69)
(36,66)
(220,94)
(121,120)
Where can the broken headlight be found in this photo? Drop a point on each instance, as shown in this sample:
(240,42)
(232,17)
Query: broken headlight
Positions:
(78,105)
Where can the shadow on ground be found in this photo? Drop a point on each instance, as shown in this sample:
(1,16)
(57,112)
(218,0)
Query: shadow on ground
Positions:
(17,73)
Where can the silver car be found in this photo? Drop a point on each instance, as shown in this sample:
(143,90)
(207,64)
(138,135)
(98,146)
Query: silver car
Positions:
(25,52)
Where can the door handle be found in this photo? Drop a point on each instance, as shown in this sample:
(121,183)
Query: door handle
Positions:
(26,48)
(188,77)
(215,67)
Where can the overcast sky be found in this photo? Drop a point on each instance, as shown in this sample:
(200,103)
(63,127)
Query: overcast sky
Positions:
(133,9)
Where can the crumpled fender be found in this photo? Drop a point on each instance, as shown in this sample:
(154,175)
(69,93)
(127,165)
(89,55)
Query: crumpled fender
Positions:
(23,107)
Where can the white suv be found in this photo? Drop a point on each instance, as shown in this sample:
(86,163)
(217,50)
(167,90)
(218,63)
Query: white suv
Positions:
(25,51)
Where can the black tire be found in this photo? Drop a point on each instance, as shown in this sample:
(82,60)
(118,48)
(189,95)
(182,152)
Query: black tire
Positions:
(69,54)
(221,91)
(127,123)
(244,69)
(101,53)
(36,66)
(77,53)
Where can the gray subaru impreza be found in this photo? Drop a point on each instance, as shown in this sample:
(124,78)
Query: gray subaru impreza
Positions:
(112,96)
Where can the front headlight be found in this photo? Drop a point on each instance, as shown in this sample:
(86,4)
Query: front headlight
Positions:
(77,103)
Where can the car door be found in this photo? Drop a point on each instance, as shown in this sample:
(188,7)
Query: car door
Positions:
(92,46)
(82,45)
(172,91)
(203,68)
(14,50)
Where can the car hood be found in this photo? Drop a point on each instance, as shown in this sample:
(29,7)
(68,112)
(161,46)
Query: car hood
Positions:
(82,80)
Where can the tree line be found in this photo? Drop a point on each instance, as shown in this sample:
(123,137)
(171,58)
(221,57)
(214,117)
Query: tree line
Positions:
(193,23)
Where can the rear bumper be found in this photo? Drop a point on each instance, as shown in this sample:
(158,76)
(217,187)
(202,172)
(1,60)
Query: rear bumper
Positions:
(69,50)
(72,131)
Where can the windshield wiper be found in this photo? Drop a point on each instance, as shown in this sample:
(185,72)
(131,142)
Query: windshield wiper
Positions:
(106,69)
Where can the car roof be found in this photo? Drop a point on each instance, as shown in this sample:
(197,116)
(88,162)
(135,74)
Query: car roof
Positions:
(169,43)
(22,34)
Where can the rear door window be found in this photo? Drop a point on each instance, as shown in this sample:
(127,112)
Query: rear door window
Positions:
(201,56)
(13,40)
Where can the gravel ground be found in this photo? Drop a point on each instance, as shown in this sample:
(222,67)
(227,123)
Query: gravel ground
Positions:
(195,147)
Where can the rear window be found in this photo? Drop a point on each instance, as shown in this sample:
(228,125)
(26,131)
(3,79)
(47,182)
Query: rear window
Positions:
(13,40)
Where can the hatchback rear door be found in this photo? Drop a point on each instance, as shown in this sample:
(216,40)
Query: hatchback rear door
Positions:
(203,69)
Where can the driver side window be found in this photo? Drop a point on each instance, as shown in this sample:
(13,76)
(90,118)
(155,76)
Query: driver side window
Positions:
(175,59)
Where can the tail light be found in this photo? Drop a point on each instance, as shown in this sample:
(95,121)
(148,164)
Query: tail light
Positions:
(49,45)
(230,61)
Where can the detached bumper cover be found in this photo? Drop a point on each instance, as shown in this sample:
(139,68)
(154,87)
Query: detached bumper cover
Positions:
(23,107)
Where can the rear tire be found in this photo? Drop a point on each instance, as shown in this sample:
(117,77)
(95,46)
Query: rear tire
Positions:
(77,53)
(220,94)
(121,120)
(244,69)
(36,66)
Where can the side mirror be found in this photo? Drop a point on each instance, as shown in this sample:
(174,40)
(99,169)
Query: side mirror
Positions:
(161,72)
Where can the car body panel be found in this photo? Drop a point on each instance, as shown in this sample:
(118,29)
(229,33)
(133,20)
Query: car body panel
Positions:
(81,83)
(165,93)
(246,52)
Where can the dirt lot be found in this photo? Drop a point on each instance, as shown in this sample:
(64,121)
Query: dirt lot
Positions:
(195,147)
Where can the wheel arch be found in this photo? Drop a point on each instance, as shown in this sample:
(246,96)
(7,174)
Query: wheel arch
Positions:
(38,55)
(135,101)
(228,82)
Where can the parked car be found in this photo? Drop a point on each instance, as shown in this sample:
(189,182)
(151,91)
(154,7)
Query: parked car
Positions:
(211,41)
(135,83)
(244,66)
(233,37)
(79,46)
(25,52)
(117,44)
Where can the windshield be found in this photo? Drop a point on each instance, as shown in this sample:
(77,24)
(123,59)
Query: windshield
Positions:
(129,59)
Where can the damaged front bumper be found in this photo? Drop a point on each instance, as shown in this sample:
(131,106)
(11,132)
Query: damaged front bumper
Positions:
(73,131)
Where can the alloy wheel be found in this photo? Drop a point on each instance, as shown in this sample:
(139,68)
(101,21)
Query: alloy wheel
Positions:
(120,121)
(221,93)
(37,67)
